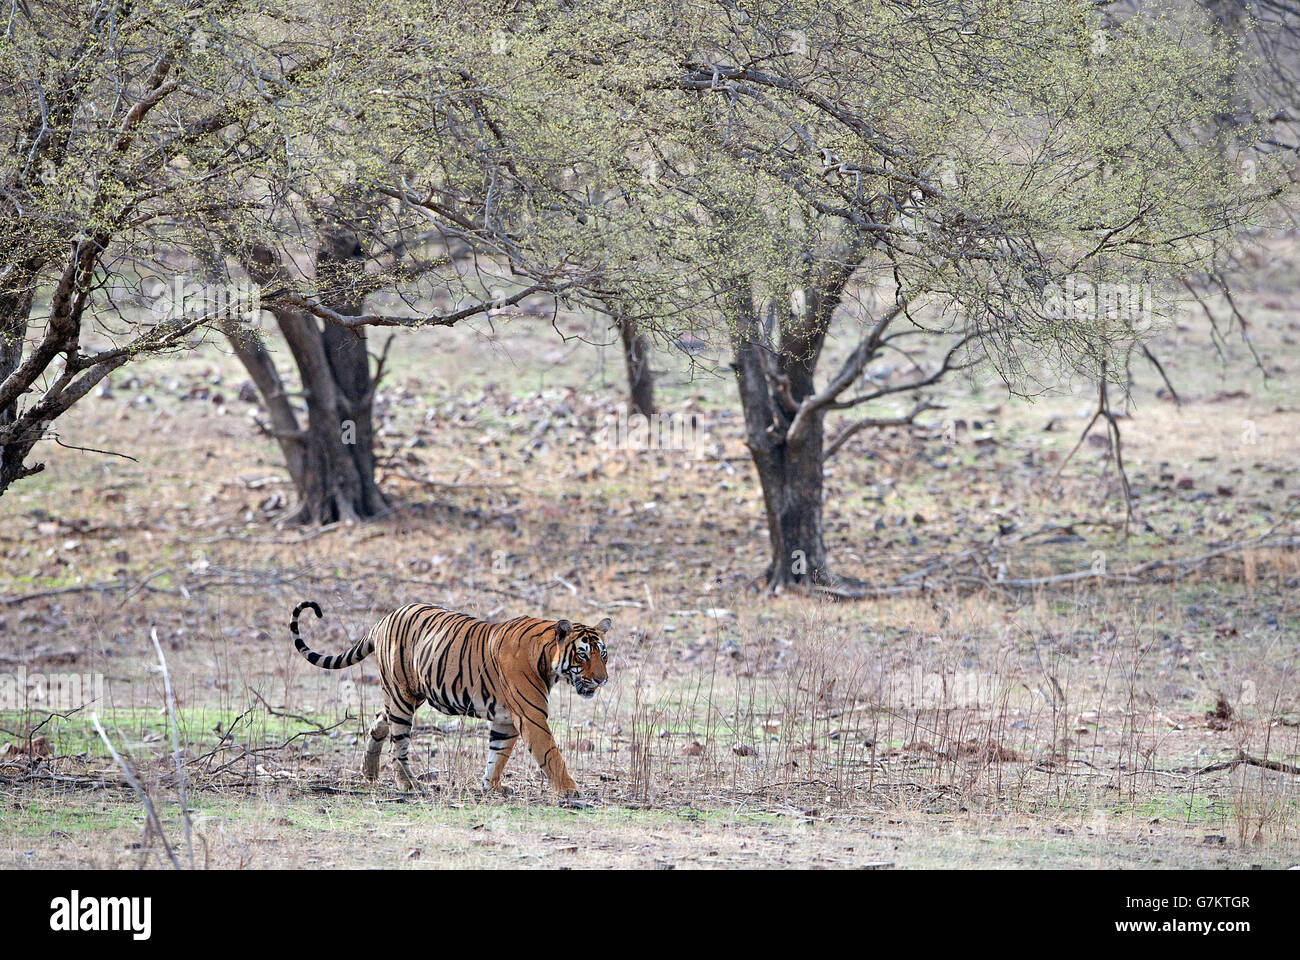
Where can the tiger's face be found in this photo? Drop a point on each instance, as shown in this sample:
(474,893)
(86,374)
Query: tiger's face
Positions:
(583,656)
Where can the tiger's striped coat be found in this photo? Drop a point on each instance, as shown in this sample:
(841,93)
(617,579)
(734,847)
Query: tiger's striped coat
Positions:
(502,672)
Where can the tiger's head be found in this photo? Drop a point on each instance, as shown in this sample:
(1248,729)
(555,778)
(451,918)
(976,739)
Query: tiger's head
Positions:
(582,656)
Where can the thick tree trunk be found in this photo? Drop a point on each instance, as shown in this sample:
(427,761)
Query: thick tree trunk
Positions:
(791,478)
(330,457)
(775,364)
(338,478)
(335,462)
(789,471)
(640,378)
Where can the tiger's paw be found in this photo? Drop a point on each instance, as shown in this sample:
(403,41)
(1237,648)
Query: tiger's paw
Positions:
(573,800)
(495,789)
(404,779)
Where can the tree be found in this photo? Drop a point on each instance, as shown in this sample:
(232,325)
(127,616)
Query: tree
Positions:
(968,177)
(456,222)
(164,177)
(1262,84)
(87,179)
(1016,184)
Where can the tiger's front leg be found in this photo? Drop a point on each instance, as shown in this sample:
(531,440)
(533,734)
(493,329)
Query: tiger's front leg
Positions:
(537,734)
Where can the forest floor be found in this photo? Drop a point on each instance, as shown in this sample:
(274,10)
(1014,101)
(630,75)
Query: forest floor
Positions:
(1046,700)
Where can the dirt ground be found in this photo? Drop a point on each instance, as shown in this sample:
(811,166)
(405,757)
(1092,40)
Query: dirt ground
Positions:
(969,724)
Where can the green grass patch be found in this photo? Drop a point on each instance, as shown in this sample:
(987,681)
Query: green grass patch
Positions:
(147,731)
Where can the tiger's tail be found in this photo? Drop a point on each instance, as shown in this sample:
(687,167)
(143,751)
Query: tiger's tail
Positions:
(362,649)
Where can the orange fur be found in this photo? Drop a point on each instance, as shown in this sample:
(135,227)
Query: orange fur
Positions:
(502,672)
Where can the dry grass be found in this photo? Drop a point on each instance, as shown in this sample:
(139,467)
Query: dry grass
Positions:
(1062,727)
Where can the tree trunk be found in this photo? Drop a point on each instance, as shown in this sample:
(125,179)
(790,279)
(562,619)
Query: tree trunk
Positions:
(15,307)
(775,366)
(21,429)
(330,458)
(791,477)
(790,471)
(335,463)
(640,378)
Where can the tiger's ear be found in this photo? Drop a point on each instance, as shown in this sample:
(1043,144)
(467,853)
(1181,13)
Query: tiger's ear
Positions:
(562,628)
(604,625)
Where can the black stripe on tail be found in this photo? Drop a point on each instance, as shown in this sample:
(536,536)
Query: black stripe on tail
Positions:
(359,651)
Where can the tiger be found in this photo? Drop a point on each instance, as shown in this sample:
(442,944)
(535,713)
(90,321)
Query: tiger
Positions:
(500,671)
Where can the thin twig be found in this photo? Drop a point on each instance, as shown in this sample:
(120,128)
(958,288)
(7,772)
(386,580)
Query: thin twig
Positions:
(176,745)
(150,813)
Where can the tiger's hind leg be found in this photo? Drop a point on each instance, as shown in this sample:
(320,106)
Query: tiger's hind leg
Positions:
(378,734)
(501,740)
(400,725)
(394,723)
